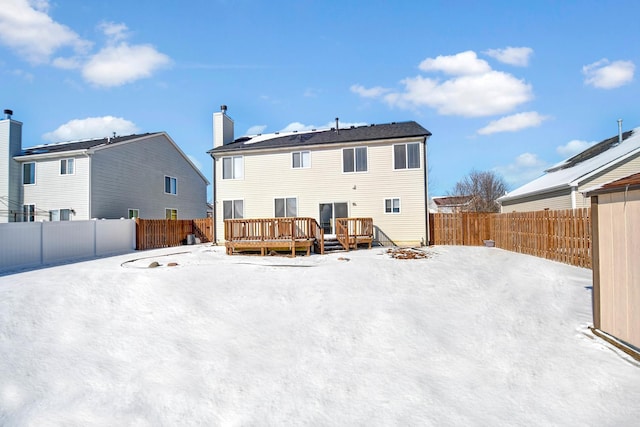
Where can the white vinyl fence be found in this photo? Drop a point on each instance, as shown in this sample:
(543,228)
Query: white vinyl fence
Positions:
(33,244)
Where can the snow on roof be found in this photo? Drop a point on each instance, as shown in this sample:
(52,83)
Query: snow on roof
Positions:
(252,139)
(572,176)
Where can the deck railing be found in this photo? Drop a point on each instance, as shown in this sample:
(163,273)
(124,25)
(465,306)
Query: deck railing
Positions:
(352,231)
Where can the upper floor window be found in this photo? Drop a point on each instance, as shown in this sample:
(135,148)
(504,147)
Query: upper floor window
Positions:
(29,173)
(67,167)
(354,159)
(232,209)
(232,167)
(134,213)
(170,185)
(301,159)
(286,207)
(406,156)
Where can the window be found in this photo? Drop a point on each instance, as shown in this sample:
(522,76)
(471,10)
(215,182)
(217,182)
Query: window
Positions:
(67,167)
(354,159)
(28,213)
(301,159)
(286,207)
(170,185)
(29,173)
(392,205)
(232,209)
(171,213)
(134,213)
(406,156)
(232,167)
(60,215)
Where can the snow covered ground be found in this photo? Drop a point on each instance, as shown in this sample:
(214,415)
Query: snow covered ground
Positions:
(469,336)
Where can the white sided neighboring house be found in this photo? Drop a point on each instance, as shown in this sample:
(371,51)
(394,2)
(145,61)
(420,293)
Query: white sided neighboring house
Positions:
(146,176)
(372,171)
(563,185)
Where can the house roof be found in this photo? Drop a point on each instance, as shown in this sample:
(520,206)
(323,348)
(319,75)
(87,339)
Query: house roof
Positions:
(452,200)
(580,167)
(628,182)
(327,136)
(61,147)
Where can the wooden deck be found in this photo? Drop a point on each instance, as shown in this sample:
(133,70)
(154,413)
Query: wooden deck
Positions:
(264,235)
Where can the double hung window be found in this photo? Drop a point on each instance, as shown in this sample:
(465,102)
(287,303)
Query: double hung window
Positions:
(301,159)
(29,173)
(67,167)
(170,185)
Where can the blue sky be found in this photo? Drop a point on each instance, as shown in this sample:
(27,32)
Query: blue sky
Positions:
(508,86)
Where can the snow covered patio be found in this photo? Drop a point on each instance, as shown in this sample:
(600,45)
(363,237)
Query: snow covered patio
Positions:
(468,336)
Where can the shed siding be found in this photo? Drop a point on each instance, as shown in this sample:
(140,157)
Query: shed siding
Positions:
(270,175)
(53,191)
(131,176)
(557,200)
(619,273)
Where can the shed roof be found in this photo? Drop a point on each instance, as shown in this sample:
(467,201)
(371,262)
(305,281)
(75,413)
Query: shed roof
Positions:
(452,200)
(628,182)
(575,170)
(326,136)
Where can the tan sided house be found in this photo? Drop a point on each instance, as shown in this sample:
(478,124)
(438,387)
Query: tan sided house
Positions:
(562,186)
(374,171)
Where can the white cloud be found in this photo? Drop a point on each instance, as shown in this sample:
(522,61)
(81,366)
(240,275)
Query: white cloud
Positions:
(255,130)
(472,90)
(518,56)
(114,31)
(573,147)
(91,127)
(373,92)
(124,63)
(526,167)
(463,63)
(26,28)
(605,75)
(513,123)
(475,95)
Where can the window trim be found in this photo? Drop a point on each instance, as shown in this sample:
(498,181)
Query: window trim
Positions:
(391,212)
(233,167)
(285,207)
(301,153)
(355,159)
(406,156)
(172,180)
(34,173)
(66,166)
(233,208)
(171,217)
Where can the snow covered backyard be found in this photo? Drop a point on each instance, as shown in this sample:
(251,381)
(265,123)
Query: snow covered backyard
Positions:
(468,336)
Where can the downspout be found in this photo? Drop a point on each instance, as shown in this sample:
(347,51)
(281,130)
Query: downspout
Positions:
(89,189)
(426,192)
(215,203)
(574,191)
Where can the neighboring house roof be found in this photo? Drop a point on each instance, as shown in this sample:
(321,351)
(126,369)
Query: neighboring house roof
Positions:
(452,201)
(577,169)
(631,182)
(327,136)
(63,148)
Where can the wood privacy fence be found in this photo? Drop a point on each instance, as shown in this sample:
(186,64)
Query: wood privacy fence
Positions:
(164,233)
(563,236)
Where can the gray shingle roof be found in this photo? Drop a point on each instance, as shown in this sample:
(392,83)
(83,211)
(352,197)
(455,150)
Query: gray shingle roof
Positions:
(61,147)
(330,136)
